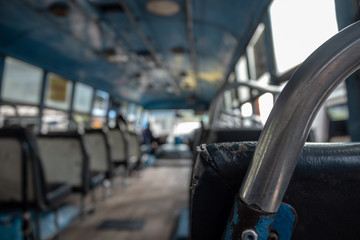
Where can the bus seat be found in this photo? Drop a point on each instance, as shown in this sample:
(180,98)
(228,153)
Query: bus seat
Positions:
(65,159)
(134,150)
(99,150)
(323,189)
(25,187)
(220,135)
(118,149)
(17,149)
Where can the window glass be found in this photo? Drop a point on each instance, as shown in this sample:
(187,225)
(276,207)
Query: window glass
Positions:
(228,100)
(246,110)
(139,112)
(101,103)
(30,111)
(21,82)
(83,98)
(54,120)
(82,120)
(131,111)
(242,75)
(241,70)
(162,122)
(266,103)
(58,92)
(298,28)
(124,108)
(338,112)
(7,110)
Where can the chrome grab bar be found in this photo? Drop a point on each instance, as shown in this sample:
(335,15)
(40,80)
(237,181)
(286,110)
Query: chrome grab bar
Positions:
(289,123)
(215,105)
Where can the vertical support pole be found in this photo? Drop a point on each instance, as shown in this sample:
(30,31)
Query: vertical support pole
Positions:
(269,46)
(92,107)
(346,14)
(71,109)
(2,66)
(108,110)
(42,100)
(56,222)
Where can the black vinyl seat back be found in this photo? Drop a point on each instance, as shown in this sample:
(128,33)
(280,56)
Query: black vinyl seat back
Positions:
(65,159)
(221,135)
(99,151)
(323,189)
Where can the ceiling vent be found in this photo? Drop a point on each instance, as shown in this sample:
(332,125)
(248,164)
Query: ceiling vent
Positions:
(108,7)
(178,50)
(59,8)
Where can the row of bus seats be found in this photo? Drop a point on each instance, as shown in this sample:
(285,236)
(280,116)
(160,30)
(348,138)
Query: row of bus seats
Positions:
(38,173)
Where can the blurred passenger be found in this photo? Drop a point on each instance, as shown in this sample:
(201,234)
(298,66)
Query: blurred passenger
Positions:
(149,139)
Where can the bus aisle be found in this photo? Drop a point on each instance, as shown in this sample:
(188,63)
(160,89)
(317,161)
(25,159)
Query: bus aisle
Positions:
(146,209)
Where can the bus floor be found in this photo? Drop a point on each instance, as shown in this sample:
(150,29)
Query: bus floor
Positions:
(146,209)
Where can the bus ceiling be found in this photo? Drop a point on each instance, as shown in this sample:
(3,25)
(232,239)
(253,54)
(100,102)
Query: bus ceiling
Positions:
(160,54)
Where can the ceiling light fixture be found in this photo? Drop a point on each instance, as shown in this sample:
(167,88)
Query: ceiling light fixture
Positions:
(163,7)
(182,74)
(118,58)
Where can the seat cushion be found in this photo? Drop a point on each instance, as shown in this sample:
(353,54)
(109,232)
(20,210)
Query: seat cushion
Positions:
(56,192)
(323,189)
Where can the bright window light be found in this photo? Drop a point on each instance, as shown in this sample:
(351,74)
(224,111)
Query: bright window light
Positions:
(241,69)
(185,128)
(246,110)
(299,27)
(266,103)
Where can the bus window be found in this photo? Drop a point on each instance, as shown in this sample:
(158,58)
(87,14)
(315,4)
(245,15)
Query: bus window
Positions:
(21,82)
(131,114)
(246,110)
(101,103)
(82,120)
(7,111)
(227,100)
(138,114)
(124,108)
(53,120)
(58,92)
(83,98)
(100,109)
(266,103)
(242,74)
(298,28)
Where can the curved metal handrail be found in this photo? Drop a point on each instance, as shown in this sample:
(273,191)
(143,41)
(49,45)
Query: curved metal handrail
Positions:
(289,123)
(216,103)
